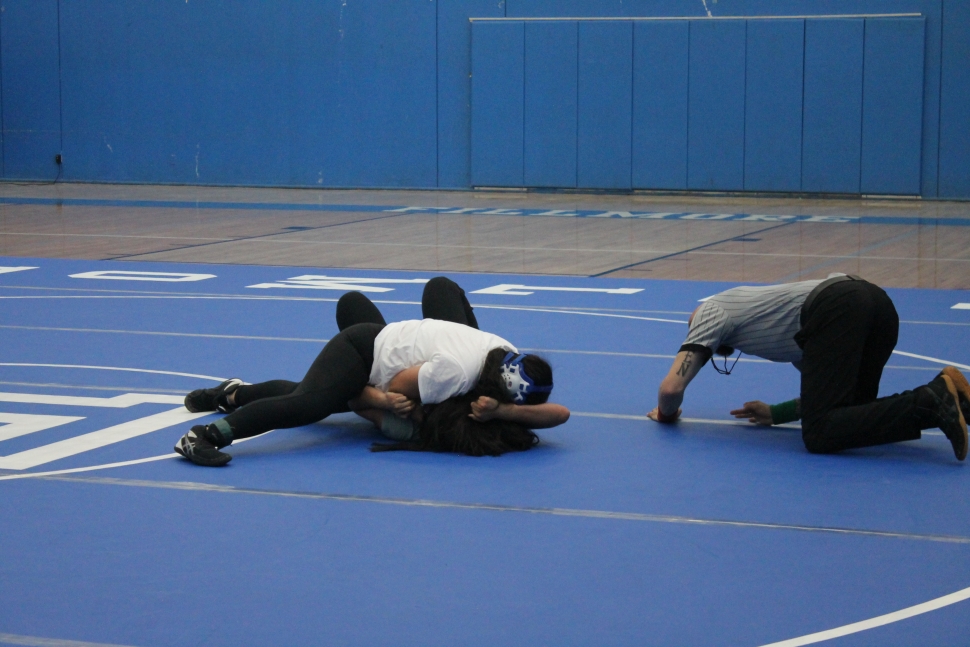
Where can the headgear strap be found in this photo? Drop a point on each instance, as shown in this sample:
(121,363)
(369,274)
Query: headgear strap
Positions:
(517,381)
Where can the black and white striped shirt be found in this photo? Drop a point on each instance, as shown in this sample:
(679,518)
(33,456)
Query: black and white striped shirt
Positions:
(757,320)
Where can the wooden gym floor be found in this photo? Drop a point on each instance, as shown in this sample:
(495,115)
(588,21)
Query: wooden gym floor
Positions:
(894,243)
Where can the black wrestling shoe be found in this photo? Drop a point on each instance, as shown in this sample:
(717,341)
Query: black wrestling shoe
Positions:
(213,399)
(938,404)
(196,447)
(963,389)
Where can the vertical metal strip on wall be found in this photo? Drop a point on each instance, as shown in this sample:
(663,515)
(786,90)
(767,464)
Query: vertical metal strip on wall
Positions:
(498,87)
(892,106)
(605,102)
(660,94)
(773,105)
(715,145)
(551,89)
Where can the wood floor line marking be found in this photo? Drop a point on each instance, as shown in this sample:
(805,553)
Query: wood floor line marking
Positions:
(244,238)
(692,249)
(794,276)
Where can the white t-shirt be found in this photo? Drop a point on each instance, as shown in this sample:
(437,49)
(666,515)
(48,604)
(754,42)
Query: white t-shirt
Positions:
(451,356)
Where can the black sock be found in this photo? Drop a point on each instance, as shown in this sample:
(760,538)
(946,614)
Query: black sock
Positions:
(215,435)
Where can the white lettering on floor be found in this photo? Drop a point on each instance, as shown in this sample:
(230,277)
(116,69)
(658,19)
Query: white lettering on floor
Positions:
(512,289)
(163,277)
(342,283)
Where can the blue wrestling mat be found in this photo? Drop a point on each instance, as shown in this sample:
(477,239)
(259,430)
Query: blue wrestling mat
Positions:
(614,531)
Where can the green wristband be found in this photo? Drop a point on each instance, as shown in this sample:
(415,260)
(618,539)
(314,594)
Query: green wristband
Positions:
(784,412)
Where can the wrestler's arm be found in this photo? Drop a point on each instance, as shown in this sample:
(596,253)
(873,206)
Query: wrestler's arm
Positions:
(406,383)
(533,416)
(371,399)
(671,394)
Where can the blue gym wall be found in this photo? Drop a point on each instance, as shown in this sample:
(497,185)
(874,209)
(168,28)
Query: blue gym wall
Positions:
(378,93)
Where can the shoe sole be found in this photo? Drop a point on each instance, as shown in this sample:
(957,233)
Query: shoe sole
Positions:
(955,393)
(204,463)
(959,381)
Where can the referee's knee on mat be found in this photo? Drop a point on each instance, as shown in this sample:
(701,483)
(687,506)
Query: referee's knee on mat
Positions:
(818,444)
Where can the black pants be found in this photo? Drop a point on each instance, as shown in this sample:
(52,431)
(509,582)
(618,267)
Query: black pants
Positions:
(847,337)
(342,369)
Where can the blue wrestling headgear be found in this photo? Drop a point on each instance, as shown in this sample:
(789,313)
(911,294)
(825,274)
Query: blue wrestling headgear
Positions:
(517,381)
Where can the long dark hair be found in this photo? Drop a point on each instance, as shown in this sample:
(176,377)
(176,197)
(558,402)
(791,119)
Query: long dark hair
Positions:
(447,427)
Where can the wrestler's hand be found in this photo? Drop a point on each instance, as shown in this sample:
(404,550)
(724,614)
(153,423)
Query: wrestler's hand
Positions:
(398,404)
(659,417)
(484,409)
(757,413)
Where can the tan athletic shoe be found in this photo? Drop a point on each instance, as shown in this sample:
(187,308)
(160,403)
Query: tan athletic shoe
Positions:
(952,422)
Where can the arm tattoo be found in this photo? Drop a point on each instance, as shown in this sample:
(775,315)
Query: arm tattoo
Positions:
(685,365)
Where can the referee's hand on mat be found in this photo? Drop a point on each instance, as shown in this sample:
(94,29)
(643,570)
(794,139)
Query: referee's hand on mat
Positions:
(757,413)
(659,417)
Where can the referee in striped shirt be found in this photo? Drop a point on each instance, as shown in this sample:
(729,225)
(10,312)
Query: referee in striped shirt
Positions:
(839,332)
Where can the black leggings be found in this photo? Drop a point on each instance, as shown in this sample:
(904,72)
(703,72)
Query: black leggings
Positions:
(338,375)
(341,370)
(442,299)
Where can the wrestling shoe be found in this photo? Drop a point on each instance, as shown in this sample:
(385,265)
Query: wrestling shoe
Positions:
(213,399)
(198,449)
(963,388)
(938,405)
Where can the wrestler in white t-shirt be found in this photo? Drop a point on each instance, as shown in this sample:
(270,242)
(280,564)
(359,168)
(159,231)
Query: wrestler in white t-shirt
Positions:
(450,355)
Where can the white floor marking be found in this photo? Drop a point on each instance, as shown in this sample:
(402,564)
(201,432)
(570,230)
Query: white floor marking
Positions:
(94,468)
(100,438)
(932,359)
(116,368)
(576,312)
(512,289)
(91,468)
(117,402)
(225,297)
(705,421)
(935,323)
(961,306)
(7,270)
(616,416)
(879,621)
(162,277)
(35,641)
(162,334)
(480,306)
(21,424)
